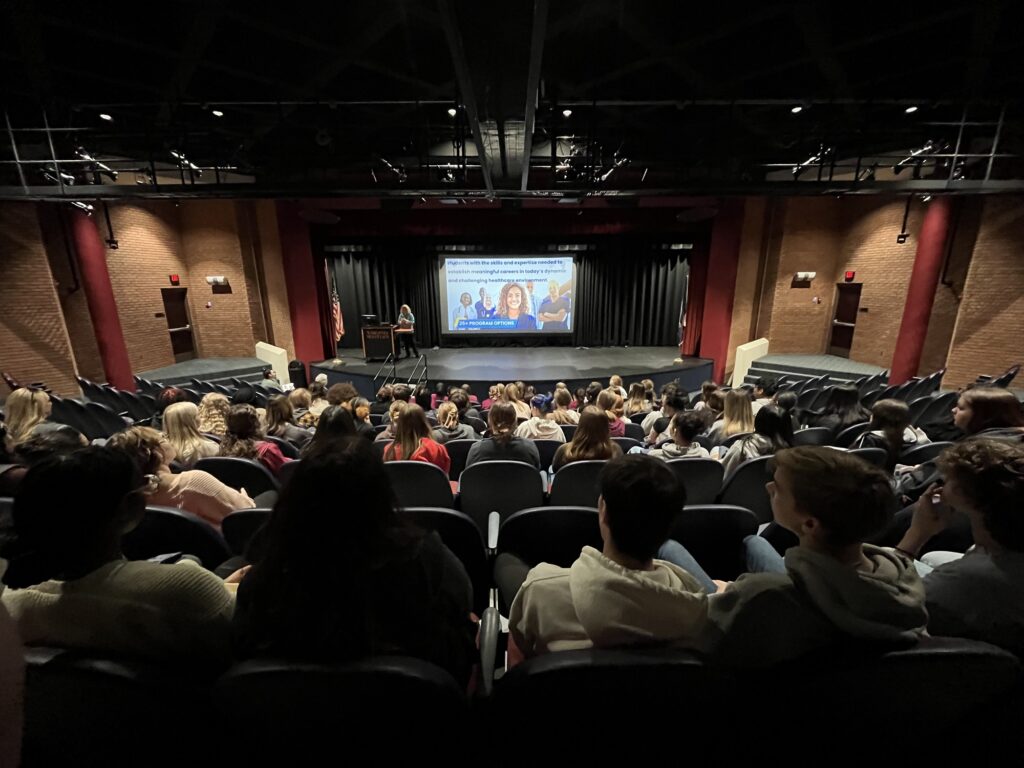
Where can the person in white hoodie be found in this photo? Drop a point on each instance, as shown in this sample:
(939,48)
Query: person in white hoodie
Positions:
(621,595)
(539,426)
(831,589)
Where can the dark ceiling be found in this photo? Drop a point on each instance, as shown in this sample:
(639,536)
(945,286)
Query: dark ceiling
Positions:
(353,98)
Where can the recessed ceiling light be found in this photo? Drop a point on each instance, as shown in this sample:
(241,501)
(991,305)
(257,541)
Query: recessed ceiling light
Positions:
(105,116)
(566,113)
(797,109)
(452,112)
(216,113)
(910,110)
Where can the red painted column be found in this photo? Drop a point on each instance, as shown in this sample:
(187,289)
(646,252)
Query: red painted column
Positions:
(99,295)
(723,262)
(931,247)
(300,281)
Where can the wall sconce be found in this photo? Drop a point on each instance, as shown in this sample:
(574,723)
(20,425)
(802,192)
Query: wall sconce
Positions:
(216,280)
(803,277)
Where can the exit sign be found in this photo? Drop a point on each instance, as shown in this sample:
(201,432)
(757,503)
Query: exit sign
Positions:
(175,280)
(849,276)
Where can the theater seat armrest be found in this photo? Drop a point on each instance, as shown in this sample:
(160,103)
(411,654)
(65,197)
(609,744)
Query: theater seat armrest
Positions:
(493,523)
(490,632)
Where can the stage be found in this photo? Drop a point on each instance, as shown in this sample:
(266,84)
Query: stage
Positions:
(540,366)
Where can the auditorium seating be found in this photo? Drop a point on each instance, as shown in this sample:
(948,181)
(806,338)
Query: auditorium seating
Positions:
(167,530)
(503,487)
(713,534)
(240,473)
(419,484)
(240,526)
(702,478)
(812,436)
(923,453)
(575,484)
(745,487)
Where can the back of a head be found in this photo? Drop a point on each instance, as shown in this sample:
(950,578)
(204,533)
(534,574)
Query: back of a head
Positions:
(447,415)
(637,391)
(842,399)
(990,474)
(591,440)
(611,403)
(181,422)
(852,499)
(412,427)
(501,420)
(142,444)
(716,401)
(401,392)
(244,423)
(707,387)
(562,398)
(334,428)
(300,398)
(39,447)
(169,396)
(992,408)
(890,414)
(641,495)
(460,400)
(774,423)
(615,381)
(594,390)
(513,393)
(341,393)
(686,425)
(786,400)
(279,412)
(24,409)
(360,408)
(542,403)
(384,394)
(767,385)
(738,411)
(244,394)
(68,508)
(317,391)
(677,401)
(421,396)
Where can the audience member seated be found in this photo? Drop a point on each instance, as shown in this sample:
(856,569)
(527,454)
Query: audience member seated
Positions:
(26,412)
(772,432)
(413,441)
(193,490)
(167,397)
(460,400)
(842,409)
(685,427)
(270,380)
(422,397)
(300,400)
(622,595)
(244,439)
(637,401)
(787,401)
(335,431)
(562,413)
(494,393)
(539,426)
(501,444)
(341,393)
(333,588)
(891,431)
(70,586)
(611,403)
(448,425)
(615,384)
(578,399)
(513,397)
(401,393)
(648,423)
(831,589)
(213,414)
(181,426)
(383,400)
(989,412)
(590,442)
(737,418)
(674,403)
(594,389)
(360,408)
(764,391)
(280,422)
(391,422)
(706,390)
(317,405)
(980,594)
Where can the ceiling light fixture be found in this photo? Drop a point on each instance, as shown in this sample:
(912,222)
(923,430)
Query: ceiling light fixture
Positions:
(452,111)
(105,116)
(797,109)
(566,113)
(216,113)
(926,198)
(910,110)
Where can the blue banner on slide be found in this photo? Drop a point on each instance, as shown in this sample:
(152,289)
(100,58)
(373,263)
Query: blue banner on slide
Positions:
(492,324)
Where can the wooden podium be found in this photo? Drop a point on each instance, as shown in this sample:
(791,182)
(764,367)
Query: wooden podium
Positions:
(378,341)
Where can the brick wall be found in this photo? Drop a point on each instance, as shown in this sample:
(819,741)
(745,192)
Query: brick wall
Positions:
(989,334)
(210,242)
(280,331)
(747,276)
(149,250)
(34,343)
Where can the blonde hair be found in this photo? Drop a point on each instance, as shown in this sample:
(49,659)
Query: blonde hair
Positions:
(143,444)
(25,410)
(615,381)
(611,403)
(181,425)
(738,416)
(213,414)
(447,415)
(300,398)
(512,394)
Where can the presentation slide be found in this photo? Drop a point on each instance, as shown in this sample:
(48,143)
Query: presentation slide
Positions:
(508,294)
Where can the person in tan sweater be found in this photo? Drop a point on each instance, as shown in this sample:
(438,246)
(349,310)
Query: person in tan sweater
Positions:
(70,586)
(193,491)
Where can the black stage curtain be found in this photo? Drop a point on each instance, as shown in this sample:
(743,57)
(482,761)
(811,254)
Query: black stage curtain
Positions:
(629,292)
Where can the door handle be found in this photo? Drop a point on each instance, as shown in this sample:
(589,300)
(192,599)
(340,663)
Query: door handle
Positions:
(845,325)
(183,328)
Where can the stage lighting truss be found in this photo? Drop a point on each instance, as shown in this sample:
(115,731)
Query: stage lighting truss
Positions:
(94,166)
(918,157)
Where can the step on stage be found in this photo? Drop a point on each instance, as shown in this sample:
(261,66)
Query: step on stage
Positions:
(540,366)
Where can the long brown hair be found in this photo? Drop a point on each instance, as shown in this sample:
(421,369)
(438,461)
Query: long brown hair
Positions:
(279,415)
(611,403)
(891,418)
(502,421)
(992,407)
(411,430)
(591,439)
(244,432)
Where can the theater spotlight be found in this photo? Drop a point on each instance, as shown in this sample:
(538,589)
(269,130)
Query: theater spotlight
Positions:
(566,113)
(399,172)
(105,116)
(51,174)
(452,111)
(867,174)
(95,165)
(910,110)
(184,161)
(83,207)
(797,109)
(916,156)
(216,113)
(814,159)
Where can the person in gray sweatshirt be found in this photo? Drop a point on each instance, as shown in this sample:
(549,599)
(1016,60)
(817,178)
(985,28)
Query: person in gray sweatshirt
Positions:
(832,588)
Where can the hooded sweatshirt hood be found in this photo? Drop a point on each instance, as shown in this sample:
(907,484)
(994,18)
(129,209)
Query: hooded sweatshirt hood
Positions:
(674,451)
(536,428)
(885,602)
(619,606)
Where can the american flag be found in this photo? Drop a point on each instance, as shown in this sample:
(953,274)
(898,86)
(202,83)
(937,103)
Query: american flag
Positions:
(339,323)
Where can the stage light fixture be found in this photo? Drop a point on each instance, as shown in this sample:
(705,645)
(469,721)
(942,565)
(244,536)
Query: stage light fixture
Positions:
(926,198)
(797,109)
(910,110)
(83,207)
(216,113)
(51,174)
(97,166)
(105,116)
(452,111)
(566,113)
(182,160)
(817,157)
(915,156)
